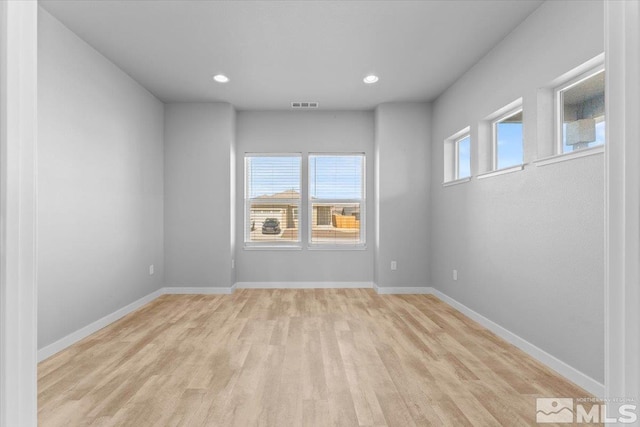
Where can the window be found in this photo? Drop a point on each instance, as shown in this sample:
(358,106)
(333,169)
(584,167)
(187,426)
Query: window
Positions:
(507,140)
(336,199)
(457,156)
(272,199)
(580,112)
(463,157)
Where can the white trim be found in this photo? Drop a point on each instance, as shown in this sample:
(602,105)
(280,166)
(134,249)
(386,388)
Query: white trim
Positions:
(562,368)
(503,171)
(74,337)
(580,70)
(622,201)
(272,247)
(198,290)
(506,111)
(403,290)
(462,133)
(336,247)
(303,285)
(18,198)
(456,182)
(569,156)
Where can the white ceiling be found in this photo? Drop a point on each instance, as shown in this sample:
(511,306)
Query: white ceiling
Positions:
(276,52)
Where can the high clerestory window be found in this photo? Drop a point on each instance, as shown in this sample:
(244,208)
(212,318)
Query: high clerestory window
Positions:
(457,156)
(507,139)
(580,118)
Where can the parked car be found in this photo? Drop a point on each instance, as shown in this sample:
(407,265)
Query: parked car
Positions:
(271,226)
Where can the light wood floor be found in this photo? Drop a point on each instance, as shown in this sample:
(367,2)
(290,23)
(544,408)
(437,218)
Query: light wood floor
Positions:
(345,357)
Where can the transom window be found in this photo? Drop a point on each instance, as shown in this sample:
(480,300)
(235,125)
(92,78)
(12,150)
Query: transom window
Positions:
(580,112)
(507,140)
(463,157)
(457,156)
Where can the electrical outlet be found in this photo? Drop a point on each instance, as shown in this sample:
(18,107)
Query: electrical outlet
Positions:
(394,265)
(151,270)
(455,274)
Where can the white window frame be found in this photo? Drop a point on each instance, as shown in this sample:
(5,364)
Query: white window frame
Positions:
(456,156)
(452,157)
(248,244)
(362,244)
(494,136)
(559,110)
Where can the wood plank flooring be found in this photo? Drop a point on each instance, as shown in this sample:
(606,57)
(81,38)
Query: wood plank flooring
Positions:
(316,357)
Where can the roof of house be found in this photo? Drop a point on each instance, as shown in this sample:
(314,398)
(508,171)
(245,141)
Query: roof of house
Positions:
(287,194)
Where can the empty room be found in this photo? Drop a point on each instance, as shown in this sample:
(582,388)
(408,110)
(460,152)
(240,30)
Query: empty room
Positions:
(318,213)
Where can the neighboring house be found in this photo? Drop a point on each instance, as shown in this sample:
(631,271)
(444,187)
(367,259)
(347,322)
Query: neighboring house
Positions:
(278,206)
(326,218)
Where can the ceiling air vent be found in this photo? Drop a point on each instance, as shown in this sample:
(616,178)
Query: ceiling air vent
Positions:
(304,105)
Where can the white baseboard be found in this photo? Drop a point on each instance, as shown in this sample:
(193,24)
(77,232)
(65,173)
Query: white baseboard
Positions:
(567,371)
(402,290)
(197,290)
(303,285)
(76,336)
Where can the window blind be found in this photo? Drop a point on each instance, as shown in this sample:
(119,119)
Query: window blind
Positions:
(336,199)
(272,198)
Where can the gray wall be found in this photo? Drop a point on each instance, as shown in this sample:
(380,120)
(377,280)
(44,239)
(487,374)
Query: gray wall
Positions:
(402,146)
(100,185)
(304,132)
(199,141)
(528,246)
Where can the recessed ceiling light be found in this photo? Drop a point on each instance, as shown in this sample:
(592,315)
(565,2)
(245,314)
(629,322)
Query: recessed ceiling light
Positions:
(371,78)
(221,78)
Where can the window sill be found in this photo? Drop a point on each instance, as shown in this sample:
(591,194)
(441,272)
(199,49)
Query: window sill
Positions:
(503,171)
(569,156)
(337,247)
(273,248)
(456,182)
